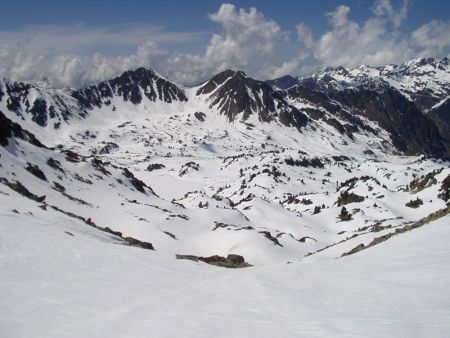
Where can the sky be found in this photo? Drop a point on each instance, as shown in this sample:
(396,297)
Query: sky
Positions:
(74,43)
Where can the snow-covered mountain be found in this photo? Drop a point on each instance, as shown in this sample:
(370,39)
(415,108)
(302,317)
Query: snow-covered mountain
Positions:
(140,170)
(423,81)
(230,94)
(440,115)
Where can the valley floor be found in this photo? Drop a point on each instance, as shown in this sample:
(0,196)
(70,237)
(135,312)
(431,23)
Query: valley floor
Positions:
(62,279)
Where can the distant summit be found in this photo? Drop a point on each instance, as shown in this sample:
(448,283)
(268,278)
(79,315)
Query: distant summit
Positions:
(364,100)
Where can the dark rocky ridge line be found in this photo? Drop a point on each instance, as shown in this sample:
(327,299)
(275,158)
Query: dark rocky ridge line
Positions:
(130,86)
(22,190)
(237,96)
(9,129)
(231,261)
(377,240)
(332,79)
(411,131)
(441,117)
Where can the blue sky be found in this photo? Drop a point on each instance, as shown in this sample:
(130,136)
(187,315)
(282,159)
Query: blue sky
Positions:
(192,15)
(73,43)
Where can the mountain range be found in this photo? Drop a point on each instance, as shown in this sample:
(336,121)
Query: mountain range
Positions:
(408,101)
(137,184)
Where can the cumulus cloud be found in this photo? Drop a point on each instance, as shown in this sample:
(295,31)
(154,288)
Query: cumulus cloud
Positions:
(74,70)
(432,38)
(350,43)
(60,56)
(245,34)
(68,55)
(247,40)
(385,8)
(376,41)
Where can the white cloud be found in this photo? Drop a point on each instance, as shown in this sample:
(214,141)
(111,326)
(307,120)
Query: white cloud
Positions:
(385,8)
(74,70)
(305,35)
(245,33)
(376,41)
(292,66)
(432,38)
(247,40)
(68,55)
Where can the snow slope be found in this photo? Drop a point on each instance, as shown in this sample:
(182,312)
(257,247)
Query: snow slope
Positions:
(237,169)
(61,278)
(423,81)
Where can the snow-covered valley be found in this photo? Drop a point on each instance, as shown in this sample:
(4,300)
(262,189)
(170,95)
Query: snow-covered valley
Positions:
(61,278)
(101,188)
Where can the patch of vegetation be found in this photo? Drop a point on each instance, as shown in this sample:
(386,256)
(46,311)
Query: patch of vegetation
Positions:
(189,165)
(314,162)
(414,203)
(306,201)
(294,199)
(317,209)
(423,182)
(348,197)
(351,183)
(275,172)
(344,215)
(203,205)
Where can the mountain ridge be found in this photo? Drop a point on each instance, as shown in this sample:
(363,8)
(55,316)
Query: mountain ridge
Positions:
(424,81)
(240,98)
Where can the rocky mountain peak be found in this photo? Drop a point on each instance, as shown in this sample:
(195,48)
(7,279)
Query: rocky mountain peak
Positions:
(234,95)
(131,86)
(345,99)
(423,81)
